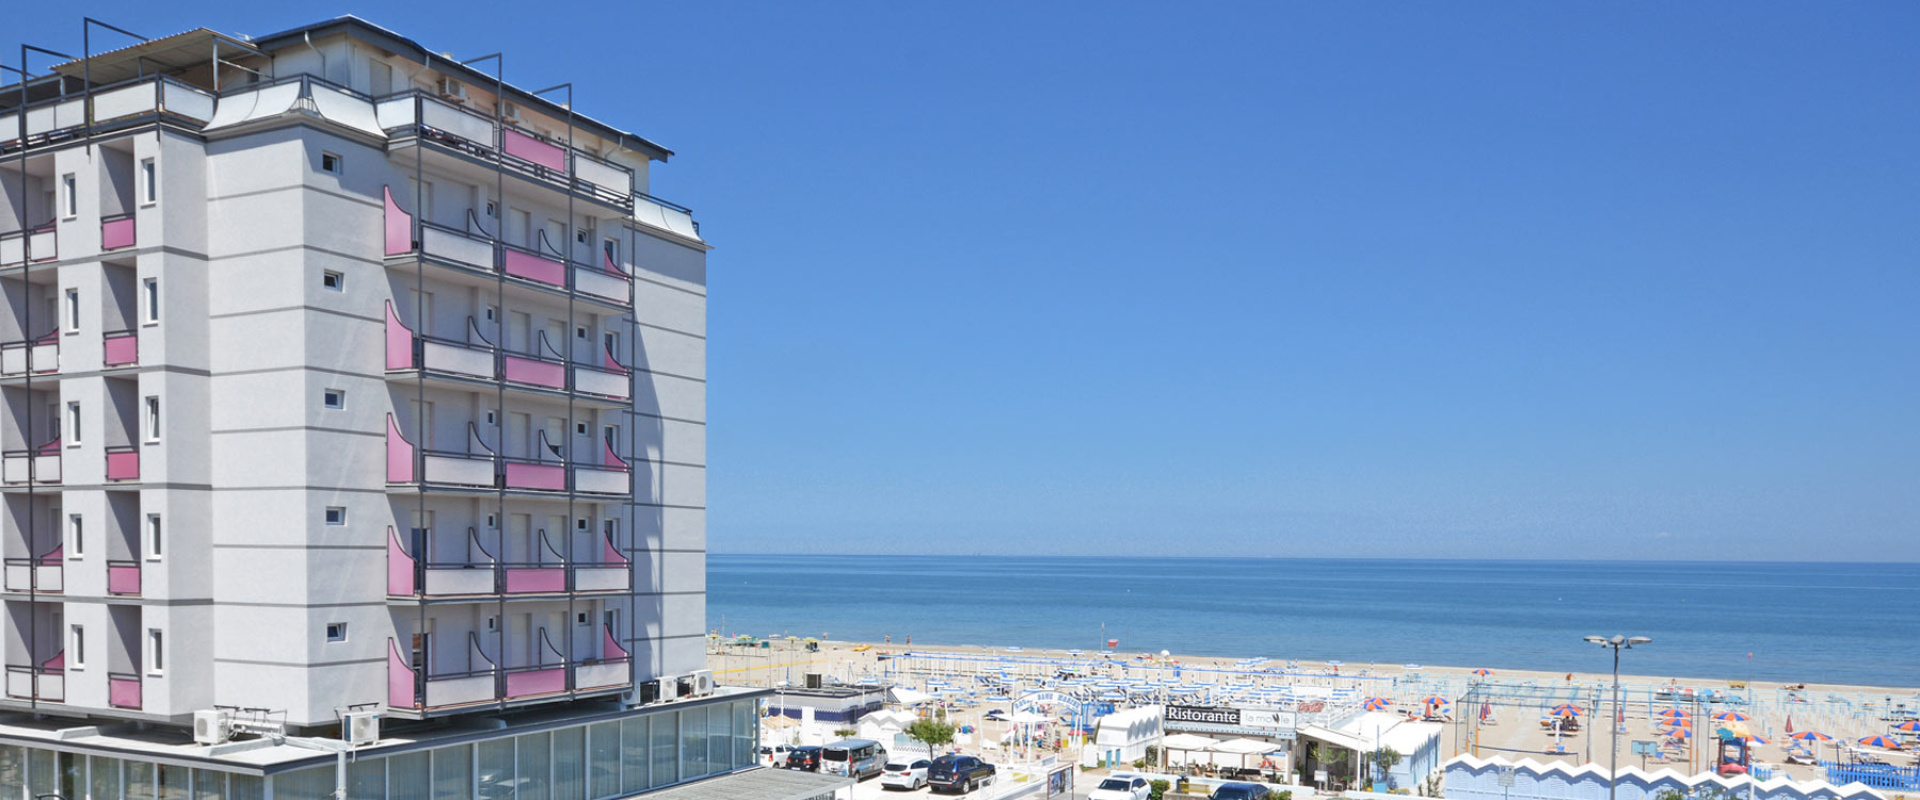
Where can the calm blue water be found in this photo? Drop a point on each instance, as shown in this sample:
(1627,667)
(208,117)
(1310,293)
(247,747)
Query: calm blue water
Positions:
(1815,623)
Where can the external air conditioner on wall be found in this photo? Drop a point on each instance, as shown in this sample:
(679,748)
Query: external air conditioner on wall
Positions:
(212,727)
(703,683)
(669,689)
(363,728)
(510,112)
(649,692)
(453,90)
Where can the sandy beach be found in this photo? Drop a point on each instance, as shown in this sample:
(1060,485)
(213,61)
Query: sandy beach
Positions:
(1510,715)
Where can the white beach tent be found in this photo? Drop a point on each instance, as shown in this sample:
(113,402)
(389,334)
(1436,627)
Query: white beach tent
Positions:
(1244,748)
(1188,743)
(907,697)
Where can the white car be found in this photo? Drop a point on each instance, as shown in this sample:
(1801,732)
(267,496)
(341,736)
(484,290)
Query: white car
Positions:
(907,775)
(1121,787)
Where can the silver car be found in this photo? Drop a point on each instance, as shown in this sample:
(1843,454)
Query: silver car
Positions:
(907,775)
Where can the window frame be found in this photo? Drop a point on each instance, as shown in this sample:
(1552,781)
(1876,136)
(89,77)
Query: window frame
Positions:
(70,195)
(327,516)
(338,280)
(149,181)
(71,434)
(333,399)
(150,296)
(76,536)
(155,536)
(156,651)
(151,409)
(339,163)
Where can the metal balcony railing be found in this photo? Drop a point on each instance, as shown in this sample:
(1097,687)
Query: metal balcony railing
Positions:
(123,690)
(128,103)
(541,265)
(123,463)
(30,246)
(46,683)
(123,578)
(117,231)
(120,348)
(40,356)
(501,142)
(36,466)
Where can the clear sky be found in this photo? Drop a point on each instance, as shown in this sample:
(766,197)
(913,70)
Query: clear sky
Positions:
(1634,280)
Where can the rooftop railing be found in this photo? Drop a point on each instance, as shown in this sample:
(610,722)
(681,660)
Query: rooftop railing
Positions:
(115,106)
(501,142)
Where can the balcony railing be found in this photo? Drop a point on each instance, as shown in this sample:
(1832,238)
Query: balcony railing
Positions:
(41,356)
(123,578)
(37,466)
(119,105)
(479,467)
(484,681)
(116,232)
(123,463)
(46,573)
(123,690)
(120,348)
(410,688)
(481,573)
(541,264)
(613,668)
(548,675)
(519,151)
(46,683)
(30,246)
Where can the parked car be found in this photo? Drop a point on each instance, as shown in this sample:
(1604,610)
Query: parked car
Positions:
(907,775)
(776,755)
(958,773)
(1121,786)
(1240,791)
(806,757)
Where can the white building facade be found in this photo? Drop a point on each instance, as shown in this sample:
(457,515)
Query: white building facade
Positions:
(342,377)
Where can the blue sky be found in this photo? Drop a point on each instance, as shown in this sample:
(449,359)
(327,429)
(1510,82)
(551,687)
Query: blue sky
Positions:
(1452,280)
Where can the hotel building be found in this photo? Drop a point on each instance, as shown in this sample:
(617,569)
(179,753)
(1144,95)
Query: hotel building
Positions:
(353,435)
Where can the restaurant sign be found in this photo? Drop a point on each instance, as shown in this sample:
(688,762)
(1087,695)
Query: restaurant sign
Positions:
(1264,718)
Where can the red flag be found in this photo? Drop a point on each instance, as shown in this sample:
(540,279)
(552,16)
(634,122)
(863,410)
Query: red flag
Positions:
(1789,723)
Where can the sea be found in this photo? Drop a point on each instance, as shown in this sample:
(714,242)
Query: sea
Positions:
(1841,623)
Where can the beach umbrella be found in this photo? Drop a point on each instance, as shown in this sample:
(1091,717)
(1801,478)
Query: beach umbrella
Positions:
(1811,736)
(1909,726)
(1378,704)
(1483,672)
(1567,710)
(1671,713)
(1681,733)
(1731,716)
(1435,700)
(1881,742)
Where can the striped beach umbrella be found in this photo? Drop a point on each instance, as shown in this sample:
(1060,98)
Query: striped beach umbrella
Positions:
(1881,742)
(1811,736)
(1567,710)
(1435,700)
(1731,716)
(1674,713)
(1909,726)
(1483,672)
(1378,704)
(1679,733)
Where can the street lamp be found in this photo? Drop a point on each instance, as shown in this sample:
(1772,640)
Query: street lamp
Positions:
(1618,643)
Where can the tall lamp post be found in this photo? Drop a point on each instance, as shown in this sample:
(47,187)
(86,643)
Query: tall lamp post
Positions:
(1618,643)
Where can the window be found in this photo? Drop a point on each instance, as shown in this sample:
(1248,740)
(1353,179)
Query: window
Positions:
(580,428)
(336,631)
(156,651)
(336,515)
(73,310)
(335,398)
(149,182)
(489,520)
(69,196)
(330,162)
(153,419)
(493,622)
(583,524)
(154,540)
(76,536)
(581,619)
(491,416)
(583,333)
(333,280)
(79,647)
(611,340)
(612,248)
(73,425)
(150,294)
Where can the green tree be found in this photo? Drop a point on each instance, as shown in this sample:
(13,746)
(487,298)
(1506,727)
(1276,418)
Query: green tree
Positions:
(1157,789)
(935,733)
(845,732)
(1384,760)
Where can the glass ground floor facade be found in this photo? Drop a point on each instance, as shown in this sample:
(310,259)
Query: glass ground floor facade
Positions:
(601,759)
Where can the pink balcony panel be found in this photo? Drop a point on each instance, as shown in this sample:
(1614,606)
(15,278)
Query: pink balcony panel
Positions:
(536,268)
(399,679)
(123,692)
(123,465)
(399,227)
(538,373)
(399,567)
(610,647)
(528,580)
(58,663)
(399,454)
(399,341)
(545,477)
(123,580)
(520,145)
(122,349)
(542,681)
(116,233)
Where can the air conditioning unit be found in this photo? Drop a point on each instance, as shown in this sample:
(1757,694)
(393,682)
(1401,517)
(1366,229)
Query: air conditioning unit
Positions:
(669,689)
(510,112)
(363,728)
(213,726)
(703,683)
(649,693)
(453,90)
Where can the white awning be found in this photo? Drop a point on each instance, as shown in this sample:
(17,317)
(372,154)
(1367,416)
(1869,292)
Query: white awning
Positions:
(907,697)
(1189,741)
(1245,747)
(1335,738)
